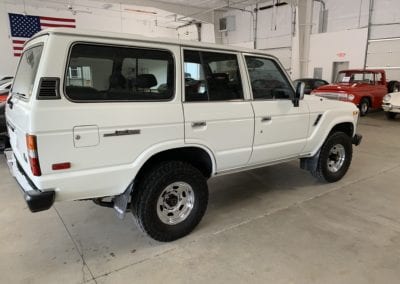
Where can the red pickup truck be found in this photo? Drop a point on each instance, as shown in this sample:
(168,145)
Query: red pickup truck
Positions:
(365,88)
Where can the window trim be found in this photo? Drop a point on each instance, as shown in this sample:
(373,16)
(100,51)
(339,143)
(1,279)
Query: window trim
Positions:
(282,71)
(238,58)
(102,44)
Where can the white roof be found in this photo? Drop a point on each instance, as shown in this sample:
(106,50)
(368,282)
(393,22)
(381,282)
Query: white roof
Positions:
(132,37)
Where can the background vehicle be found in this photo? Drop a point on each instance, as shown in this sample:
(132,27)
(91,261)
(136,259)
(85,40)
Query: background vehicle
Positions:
(310,84)
(5,79)
(364,88)
(391,105)
(5,85)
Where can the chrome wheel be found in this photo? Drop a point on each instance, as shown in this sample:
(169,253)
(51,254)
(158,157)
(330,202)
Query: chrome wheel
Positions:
(336,158)
(175,203)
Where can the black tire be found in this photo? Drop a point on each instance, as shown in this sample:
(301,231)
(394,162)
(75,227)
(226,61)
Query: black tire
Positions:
(364,106)
(324,172)
(390,115)
(156,181)
(393,87)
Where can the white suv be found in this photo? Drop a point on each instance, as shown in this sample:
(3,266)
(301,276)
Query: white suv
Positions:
(141,124)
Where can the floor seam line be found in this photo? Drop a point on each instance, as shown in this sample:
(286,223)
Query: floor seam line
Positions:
(301,202)
(77,249)
(135,263)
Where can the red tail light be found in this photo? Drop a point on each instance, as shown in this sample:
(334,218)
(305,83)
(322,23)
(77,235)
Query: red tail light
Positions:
(33,154)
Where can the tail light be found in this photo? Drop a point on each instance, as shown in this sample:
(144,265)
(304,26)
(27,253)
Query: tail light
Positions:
(33,154)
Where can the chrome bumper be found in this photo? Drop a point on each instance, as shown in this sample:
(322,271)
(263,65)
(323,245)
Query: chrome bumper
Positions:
(37,200)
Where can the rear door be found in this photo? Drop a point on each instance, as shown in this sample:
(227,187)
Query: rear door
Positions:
(217,115)
(281,129)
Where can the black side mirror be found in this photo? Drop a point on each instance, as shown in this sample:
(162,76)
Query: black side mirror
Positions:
(299,95)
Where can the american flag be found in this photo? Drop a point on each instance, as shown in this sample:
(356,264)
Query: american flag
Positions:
(25,26)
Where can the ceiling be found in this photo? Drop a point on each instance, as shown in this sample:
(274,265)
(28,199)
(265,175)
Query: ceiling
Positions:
(201,10)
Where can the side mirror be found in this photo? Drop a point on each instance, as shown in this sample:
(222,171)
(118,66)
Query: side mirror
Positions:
(299,95)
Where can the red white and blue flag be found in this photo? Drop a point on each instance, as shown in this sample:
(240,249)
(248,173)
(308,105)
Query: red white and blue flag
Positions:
(24,27)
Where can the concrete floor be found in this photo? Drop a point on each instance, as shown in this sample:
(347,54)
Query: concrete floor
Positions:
(271,225)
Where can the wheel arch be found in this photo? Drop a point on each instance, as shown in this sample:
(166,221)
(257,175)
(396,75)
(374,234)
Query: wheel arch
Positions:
(346,127)
(196,155)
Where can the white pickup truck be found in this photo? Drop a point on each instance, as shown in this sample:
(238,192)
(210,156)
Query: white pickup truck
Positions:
(141,124)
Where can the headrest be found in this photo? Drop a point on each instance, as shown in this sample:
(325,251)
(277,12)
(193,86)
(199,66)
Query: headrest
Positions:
(146,81)
(220,77)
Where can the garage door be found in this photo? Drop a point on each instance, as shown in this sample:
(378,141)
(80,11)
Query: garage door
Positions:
(385,54)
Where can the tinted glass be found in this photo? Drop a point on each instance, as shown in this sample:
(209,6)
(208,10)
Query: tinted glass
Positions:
(267,79)
(211,76)
(109,73)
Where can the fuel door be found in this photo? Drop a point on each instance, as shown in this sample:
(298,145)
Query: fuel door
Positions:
(86,136)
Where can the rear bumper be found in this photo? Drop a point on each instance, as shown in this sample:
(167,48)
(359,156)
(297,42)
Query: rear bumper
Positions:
(37,200)
(357,139)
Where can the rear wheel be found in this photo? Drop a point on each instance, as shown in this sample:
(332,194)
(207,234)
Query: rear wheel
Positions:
(334,158)
(390,115)
(364,106)
(170,200)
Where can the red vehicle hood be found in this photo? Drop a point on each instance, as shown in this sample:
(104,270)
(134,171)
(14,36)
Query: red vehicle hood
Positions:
(337,88)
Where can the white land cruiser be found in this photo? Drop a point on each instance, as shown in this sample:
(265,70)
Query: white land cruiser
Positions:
(141,124)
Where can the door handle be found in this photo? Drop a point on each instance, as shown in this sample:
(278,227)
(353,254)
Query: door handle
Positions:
(266,118)
(199,124)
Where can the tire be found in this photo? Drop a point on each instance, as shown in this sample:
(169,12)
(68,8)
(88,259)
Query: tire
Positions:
(334,158)
(364,106)
(390,115)
(170,200)
(393,87)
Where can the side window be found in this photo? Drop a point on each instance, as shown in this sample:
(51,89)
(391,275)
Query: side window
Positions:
(211,76)
(379,79)
(267,79)
(109,73)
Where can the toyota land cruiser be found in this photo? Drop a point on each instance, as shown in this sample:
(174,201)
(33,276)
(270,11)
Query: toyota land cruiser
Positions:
(137,123)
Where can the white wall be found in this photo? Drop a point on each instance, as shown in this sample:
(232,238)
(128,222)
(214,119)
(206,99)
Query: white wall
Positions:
(115,19)
(343,14)
(326,48)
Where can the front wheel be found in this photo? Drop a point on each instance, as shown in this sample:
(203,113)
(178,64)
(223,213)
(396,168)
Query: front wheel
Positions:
(364,106)
(170,200)
(334,158)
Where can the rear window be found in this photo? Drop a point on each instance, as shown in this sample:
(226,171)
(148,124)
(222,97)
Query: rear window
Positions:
(110,73)
(26,72)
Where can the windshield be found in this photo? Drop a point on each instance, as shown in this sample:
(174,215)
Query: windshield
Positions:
(347,77)
(26,73)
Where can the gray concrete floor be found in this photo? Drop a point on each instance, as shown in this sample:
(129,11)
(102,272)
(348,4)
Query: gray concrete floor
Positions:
(271,225)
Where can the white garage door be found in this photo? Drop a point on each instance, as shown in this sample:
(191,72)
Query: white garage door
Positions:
(385,54)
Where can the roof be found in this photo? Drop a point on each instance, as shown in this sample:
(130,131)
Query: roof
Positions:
(133,37)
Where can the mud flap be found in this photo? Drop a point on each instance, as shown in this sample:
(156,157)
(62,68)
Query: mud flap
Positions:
(310,164)
(121,202)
